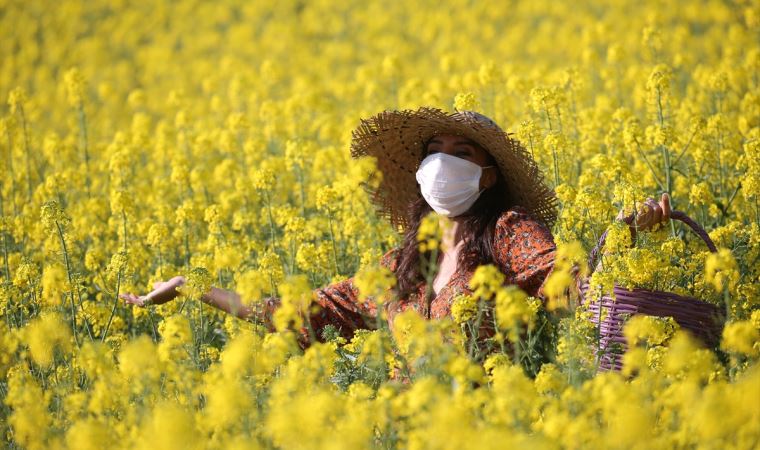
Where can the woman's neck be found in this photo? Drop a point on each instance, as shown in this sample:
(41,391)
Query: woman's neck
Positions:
(452,233)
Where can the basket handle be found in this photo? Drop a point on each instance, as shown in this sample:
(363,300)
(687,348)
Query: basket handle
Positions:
(675,214)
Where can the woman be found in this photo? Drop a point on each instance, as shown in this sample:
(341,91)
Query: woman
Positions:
(463,166)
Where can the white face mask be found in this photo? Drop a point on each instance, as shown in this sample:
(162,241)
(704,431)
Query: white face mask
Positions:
(449,184)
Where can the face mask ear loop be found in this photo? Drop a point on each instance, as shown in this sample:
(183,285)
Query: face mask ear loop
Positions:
(481,174)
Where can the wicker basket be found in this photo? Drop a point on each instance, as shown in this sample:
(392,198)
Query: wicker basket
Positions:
(704,320)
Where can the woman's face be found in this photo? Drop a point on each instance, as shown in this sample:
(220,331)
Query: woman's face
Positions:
(464,148)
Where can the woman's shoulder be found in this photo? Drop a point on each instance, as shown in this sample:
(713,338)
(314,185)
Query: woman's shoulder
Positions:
(519,239)
(519,217)
(389,260)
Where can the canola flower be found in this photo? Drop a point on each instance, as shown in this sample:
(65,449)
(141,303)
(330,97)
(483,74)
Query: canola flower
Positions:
(215,146)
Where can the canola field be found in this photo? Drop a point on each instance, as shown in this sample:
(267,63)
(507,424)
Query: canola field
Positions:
(140,140)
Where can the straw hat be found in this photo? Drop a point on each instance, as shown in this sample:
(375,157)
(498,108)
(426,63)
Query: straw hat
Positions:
(396,139)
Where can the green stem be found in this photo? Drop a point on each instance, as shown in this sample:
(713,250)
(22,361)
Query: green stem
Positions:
(160,263)
(71,284)
(727,302)
(685,147)
(556,167)
(649,164)
(5,245)
(517,357)
(302,191)
(720,164)
(548,117)
(28,157)
(476,329)
(83,137)
(332,240)
(113,308)
(530,142)
(666,163)
(124,227)
(271,219)
(660,116)
(11,172)
(501,342)
(201,331)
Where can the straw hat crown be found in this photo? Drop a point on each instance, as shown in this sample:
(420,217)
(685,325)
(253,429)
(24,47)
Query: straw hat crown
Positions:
(396,139)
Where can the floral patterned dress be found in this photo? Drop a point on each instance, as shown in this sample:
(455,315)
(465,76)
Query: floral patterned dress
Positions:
(524,251)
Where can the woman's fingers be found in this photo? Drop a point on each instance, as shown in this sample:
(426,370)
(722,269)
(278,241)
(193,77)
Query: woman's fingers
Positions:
(665,202)
(652,212)
(132,299)
(650,215)
(656,213)
(644,218)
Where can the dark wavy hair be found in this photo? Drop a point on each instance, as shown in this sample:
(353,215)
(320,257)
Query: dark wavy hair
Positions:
(477,231)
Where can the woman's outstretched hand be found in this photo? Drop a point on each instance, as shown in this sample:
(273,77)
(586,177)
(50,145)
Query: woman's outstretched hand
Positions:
(163,291)
(653,214)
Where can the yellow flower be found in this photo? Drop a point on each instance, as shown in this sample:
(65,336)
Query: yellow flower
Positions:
(430,231)
(44,334)
(269,263)
(227,257)
(465,101)
(89,434)
(650,329)
(549,379)
(327,199)
(198,283)
(138,359)
(16,99)
(157,234)
(27,274)
(176,335)
(544,100)
(568,256)
(513,309)
(659,78)
(495,360)
(741,337)
(263,179)
(721,270)
(53,217)
(464,308)
(54,285)
(296,298)
(375,282)
(118,267)
(700,194)
(486,281)
(74,86)
(168,426)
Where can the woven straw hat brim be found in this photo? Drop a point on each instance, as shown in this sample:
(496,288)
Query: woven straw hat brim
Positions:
(396,139)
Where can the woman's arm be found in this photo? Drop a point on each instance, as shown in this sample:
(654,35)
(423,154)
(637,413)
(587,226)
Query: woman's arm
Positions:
(223,299)
(228,301)
(338,304)
(652,214)
(533,261)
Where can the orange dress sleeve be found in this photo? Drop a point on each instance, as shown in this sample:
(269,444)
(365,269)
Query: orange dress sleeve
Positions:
(524,249)
(339,305)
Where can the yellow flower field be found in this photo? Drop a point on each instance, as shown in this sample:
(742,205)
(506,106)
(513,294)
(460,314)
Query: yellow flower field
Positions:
(144,140)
